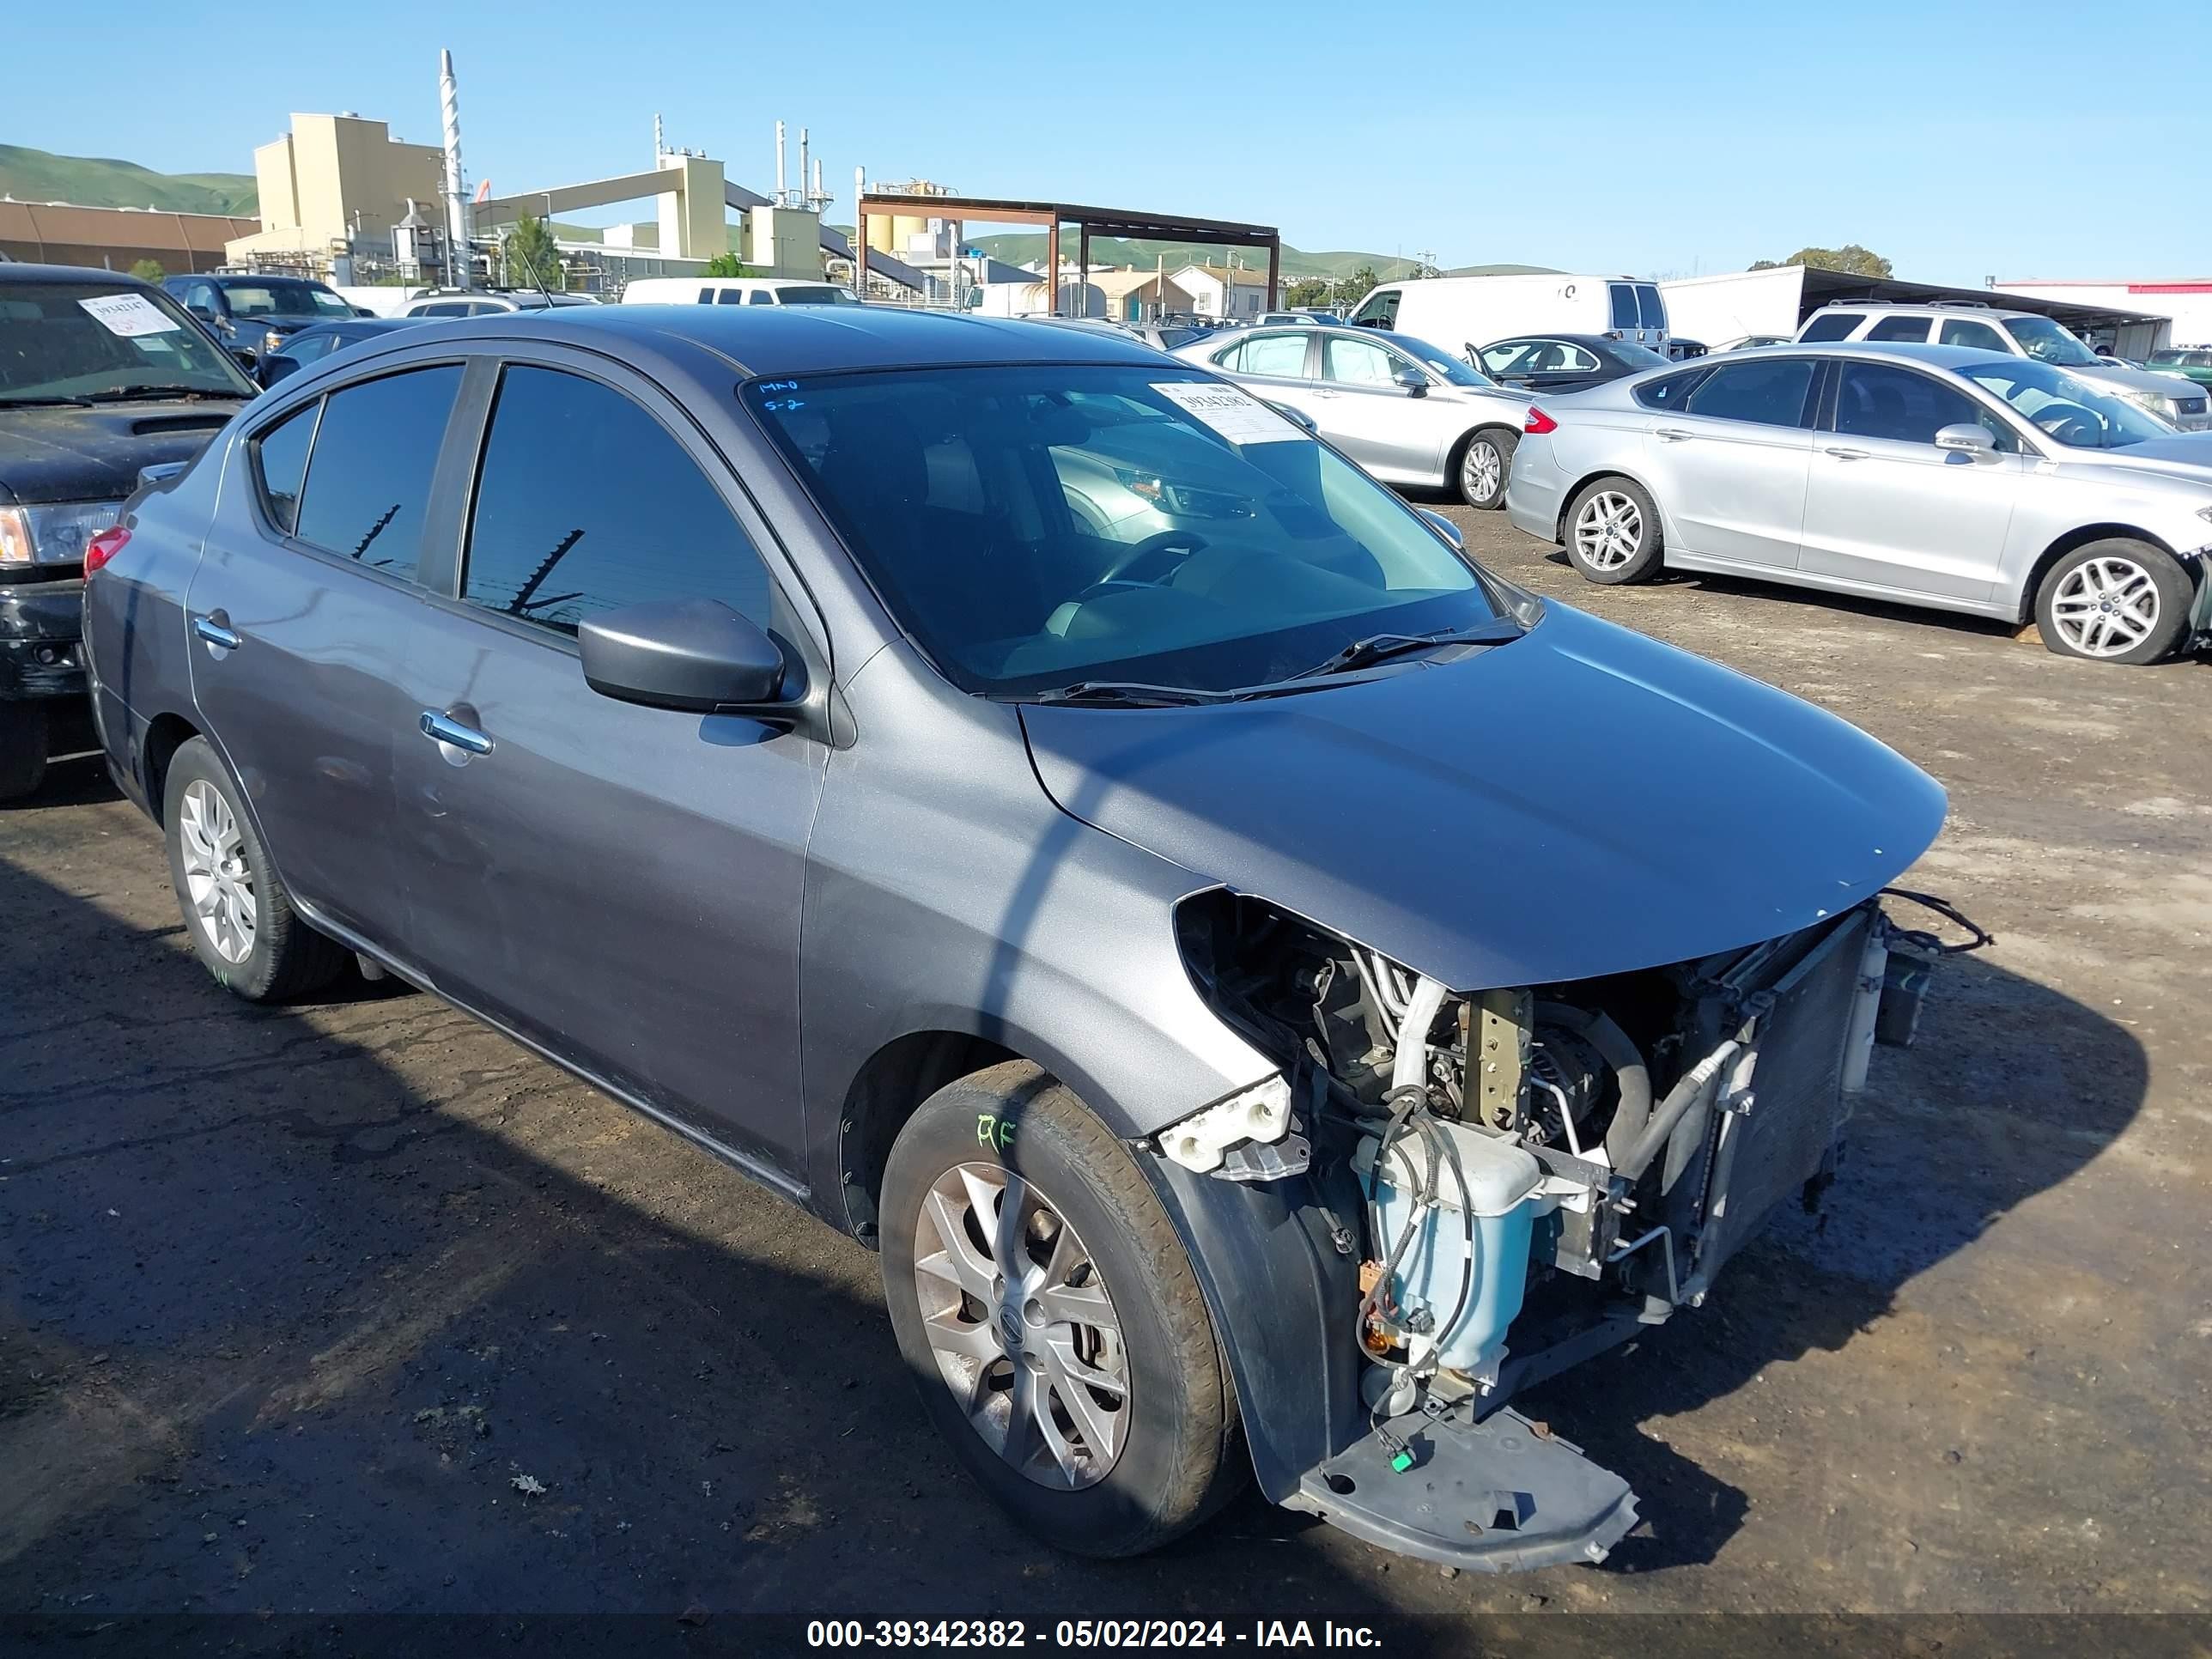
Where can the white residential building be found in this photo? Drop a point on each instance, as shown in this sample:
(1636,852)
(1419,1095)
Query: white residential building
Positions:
(1223,291)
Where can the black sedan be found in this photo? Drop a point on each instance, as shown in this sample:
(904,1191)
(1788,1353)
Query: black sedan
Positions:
(317,341)
(1565,362)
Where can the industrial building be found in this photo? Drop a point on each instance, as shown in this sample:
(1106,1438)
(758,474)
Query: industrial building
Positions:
(329,182)
(116,239)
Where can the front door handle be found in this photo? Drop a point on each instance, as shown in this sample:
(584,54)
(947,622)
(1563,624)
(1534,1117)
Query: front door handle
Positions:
(213,627)
(439,729)
(1673,434)
(1845,454)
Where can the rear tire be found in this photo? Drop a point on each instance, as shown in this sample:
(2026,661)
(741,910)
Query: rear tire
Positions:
(1130,1465)
(239,914)
(1485,464)
(23,746)
(1613,532)
(2117,600)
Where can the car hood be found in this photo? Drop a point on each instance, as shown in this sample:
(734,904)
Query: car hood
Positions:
(2184,455)
(95,454)
(2137,379)
(1580,801)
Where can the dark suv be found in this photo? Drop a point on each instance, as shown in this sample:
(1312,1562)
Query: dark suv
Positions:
(100,376)
(254,313)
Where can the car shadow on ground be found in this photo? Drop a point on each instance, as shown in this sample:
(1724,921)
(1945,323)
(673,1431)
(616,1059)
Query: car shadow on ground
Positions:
(356,1309)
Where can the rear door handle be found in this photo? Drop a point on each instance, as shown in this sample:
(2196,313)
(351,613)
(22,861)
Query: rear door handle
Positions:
(438,728)
(1846,454)
(1673,434)
(215,632)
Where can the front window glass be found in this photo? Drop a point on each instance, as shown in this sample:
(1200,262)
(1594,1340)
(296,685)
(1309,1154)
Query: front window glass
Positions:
(1442,363)
(1035,525)
(1357,362)
(279,298)
(2166,358)
(2047,342)
(2065,407)
(368,482)
(1379,309)
(1878,400)
(1768,392)
(65,342)
(1958,332)
(585,502)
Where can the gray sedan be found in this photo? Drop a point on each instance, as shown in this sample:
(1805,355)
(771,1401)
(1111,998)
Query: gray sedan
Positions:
(1963,480)
(1407,411)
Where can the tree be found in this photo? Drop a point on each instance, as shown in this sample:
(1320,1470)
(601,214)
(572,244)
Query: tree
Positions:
(1362,283)
(528,253)
(728,264)
(1308,291)
(148,270)
(1850,258)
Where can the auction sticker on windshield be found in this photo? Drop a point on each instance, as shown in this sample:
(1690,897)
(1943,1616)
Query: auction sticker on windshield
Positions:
(127,314)
(1241,419)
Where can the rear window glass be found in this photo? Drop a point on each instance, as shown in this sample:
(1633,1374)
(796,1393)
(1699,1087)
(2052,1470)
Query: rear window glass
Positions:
(1649,306)
(368,481)
(1832,325)
(1624,306)
(1770,392)
(1670,391)
(1899,328)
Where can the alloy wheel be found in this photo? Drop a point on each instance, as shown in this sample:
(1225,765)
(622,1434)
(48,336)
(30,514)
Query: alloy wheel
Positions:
(1021,1326)
(2105,607)
(1481,470)
(1608,530)
(218,881)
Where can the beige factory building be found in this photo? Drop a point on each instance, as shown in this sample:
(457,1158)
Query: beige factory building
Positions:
(331,176)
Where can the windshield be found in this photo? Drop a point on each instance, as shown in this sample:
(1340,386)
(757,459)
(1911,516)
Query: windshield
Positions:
(2073,410)
(1032,526)
(1440,362)
(2047,342)
(62,342)
(283,298)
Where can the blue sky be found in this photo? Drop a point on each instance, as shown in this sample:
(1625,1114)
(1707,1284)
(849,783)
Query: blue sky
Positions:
(1968,140)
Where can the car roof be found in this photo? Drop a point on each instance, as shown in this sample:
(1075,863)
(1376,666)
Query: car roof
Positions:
(1933,308)
(808,339)
(14,271)
(1594,342)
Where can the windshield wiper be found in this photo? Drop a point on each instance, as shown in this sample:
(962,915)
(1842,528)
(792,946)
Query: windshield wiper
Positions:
(43,403)
(1377,647)
(125,394)
(1127,694)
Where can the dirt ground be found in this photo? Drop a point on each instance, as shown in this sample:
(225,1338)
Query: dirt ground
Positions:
(355,1308)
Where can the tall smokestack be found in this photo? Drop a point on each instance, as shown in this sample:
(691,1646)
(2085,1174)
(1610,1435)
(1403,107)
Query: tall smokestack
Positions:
(457,200)
(782,195)
(818,197)
(802,162)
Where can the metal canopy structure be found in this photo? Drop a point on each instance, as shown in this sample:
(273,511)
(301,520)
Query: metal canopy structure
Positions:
(1827,287)
(1088,221)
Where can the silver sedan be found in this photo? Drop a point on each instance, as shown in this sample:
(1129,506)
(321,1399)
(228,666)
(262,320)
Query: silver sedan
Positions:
(1409,412)
(1962,480)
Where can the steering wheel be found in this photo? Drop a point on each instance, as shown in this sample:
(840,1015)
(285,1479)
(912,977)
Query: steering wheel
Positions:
(2071,423)
(1147,562)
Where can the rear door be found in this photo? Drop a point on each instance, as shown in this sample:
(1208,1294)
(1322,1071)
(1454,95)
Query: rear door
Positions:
(1885,507)
(302,613)
(1276,364)
(619,884)
(1728,468)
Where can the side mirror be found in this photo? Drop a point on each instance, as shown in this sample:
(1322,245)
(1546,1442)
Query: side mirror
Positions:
(246,359)
(1967,438)
(697,654)
(1443,527)
(362,311)
(1411,381)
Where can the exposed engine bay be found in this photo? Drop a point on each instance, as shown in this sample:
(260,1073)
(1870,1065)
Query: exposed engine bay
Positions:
(1543,1172)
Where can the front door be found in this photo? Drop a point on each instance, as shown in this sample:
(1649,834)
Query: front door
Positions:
(1886,507)
(1363,410)
(621,884)
(303,610)
(1728,468)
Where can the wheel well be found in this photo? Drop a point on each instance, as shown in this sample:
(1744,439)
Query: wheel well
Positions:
(167,734)
(1459,449)
(1567,498)
(2065,544)
(883,1094)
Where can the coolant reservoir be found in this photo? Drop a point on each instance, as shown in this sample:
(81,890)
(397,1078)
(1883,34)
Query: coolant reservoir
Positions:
(1502,1179)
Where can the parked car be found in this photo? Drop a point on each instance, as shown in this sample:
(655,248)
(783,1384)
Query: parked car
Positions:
(1084,914)
(1752,342)
(100,376)
(1470,309)
(1564,362)
(2191,363)
(1681,350)
(481,302)
(734,291)
(252,315)
(314,343)
(1973,481)
(2021,333)
(1409,413)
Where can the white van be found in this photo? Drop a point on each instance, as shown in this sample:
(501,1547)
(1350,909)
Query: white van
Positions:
(1457,312)
(734,291)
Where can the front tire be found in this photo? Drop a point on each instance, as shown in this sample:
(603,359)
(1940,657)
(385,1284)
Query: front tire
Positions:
(1485,464)
(1613,532)
(2116,600)
(1048,1313)
(239,915)
(23,746)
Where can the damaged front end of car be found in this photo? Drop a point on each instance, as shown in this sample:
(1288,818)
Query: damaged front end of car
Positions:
(1445,1196)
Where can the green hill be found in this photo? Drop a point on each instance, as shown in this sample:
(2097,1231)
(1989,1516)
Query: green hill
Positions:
(36,175)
